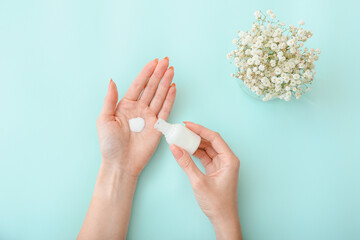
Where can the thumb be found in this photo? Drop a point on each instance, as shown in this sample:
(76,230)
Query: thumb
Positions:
(110,99)
(186,163)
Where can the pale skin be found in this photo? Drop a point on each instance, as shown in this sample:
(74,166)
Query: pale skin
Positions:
(125,154)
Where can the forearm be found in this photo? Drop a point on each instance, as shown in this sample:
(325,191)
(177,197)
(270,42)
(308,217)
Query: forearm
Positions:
(110,208)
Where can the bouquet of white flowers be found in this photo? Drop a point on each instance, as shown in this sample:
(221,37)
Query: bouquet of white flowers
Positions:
(271,60)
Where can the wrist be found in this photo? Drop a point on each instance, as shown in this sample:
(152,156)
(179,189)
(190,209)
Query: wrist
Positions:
(227,226)
(116,165)
(118,172)
(113,182)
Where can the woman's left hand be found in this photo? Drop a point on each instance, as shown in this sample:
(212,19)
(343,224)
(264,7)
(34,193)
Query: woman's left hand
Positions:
(150,96)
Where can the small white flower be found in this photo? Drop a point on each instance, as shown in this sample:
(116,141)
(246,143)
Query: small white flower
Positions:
(258,44)
(273,46)
(296,76)
(287,96)
(267,97)
(273,63)
(301,22)
(257,14)
(277,71)
(282,45)
(291,65)
(261,67)
(301,32)
(290,42)
(235,41)
(269,11)
(273,16)
(250,61)
(265,81)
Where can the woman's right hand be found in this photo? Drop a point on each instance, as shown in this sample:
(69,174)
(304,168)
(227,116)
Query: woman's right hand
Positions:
(215,191)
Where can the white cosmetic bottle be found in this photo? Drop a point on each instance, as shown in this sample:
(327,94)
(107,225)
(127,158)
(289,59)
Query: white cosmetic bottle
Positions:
(179,135)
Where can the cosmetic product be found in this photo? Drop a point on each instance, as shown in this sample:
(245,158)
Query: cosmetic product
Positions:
(179,135)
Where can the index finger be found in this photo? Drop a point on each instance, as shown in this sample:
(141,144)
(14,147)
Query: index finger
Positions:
(214,138)
(140,81)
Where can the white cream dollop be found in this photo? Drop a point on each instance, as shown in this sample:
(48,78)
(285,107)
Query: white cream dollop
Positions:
(137,124)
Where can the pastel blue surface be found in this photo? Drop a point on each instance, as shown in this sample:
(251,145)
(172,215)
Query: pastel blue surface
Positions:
(299,176)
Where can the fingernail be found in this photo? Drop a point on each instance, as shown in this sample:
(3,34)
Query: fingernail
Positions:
(186,122)
(176,151)
(156,60)
(171,67)
(173,84)
(166,58)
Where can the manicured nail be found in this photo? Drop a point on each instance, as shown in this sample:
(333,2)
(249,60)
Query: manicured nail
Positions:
(173,84)
(156,60)
(171,67)
(176,151)
(110,83)
(166,58)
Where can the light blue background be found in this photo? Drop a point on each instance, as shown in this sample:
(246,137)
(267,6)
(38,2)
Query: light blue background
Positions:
(299,176)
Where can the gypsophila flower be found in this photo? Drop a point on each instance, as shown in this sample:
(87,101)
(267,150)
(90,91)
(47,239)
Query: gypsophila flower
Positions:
(257,14)
(277,71)
(271,60)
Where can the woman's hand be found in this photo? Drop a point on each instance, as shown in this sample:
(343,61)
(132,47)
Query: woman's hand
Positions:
(215,191)
(125,153)
(121,148)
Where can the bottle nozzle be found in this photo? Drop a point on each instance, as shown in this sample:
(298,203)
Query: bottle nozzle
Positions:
(162,126)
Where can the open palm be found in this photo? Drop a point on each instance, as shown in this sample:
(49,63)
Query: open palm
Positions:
(121,147)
